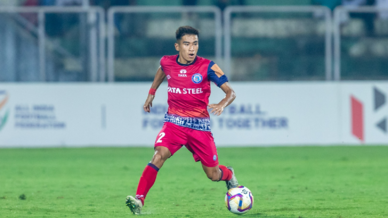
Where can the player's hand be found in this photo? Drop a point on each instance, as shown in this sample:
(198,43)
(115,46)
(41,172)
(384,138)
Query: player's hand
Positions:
(216,109)
(148,103)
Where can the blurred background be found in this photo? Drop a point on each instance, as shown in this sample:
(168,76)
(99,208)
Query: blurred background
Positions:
(122,40)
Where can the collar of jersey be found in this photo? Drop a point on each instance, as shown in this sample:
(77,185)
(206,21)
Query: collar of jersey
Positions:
(186,64)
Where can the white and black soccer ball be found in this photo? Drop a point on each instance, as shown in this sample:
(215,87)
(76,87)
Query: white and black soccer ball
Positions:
(239,200)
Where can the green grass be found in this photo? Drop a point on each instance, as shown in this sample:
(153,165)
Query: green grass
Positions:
(285,181)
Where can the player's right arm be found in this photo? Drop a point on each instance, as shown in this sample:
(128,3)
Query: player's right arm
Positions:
(159,77)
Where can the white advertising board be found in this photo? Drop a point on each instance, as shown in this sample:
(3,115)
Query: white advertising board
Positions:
(279,113)
(263,114)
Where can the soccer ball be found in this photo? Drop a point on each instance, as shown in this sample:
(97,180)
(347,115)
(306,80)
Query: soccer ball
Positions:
(239,200)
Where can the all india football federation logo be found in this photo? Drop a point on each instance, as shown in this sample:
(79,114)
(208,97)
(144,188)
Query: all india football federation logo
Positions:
(196,78)
(3,112)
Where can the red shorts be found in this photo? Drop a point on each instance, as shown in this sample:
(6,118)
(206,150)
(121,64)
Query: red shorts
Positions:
(199,143)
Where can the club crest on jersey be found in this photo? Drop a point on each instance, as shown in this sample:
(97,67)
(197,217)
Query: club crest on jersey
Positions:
(182,73)
(196,78)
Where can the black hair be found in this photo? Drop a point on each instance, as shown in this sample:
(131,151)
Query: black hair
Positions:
(185,30)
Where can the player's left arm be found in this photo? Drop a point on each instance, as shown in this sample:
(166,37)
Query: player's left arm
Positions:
(217,109)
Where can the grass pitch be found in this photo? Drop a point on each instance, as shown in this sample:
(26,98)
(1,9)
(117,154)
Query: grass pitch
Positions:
(285,181)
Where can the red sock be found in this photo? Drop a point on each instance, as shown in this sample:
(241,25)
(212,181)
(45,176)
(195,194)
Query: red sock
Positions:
(226,174)
(147,180)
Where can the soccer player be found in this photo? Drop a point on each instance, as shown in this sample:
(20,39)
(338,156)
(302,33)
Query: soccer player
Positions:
(187,120)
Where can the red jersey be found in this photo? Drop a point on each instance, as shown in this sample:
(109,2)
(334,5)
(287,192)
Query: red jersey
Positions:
(189,90)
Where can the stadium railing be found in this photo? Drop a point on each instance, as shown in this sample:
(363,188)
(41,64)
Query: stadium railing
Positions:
(93,25)
(357,54)
(257,17)
(360,43)
(158,40)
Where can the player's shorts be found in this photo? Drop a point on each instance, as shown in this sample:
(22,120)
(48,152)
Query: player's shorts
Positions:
(199,143)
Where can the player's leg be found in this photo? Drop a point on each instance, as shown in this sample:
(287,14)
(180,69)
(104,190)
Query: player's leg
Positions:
(150,172)
(217,173)
(221,173)
(147,179)
(166,144)
(202,145)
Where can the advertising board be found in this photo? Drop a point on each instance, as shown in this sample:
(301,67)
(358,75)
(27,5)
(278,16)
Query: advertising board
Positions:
(263,114)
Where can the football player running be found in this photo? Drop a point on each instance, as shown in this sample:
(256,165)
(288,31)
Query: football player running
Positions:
(187,121)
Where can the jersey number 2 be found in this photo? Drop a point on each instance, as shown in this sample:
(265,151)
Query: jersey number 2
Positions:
(162,134)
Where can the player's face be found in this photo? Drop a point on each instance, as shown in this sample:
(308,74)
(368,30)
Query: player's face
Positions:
(187,48)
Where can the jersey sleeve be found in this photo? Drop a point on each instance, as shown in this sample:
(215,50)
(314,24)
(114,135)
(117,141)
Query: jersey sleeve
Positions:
(215,74)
